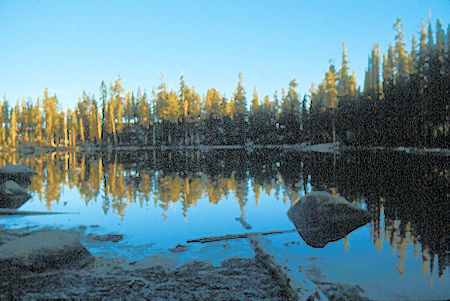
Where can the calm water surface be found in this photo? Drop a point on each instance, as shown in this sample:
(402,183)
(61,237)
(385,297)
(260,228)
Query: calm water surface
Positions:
(159,199)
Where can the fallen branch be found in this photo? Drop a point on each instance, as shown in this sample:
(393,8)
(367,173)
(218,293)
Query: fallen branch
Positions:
(296,285)
(5,211)
(236,236)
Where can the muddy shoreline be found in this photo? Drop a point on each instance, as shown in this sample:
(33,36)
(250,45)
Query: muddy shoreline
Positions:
(159,277)
(155,277)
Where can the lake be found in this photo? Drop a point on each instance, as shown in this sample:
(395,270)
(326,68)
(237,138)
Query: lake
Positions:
(158,199)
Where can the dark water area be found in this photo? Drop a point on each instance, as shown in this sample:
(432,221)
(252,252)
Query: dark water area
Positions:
(166,197)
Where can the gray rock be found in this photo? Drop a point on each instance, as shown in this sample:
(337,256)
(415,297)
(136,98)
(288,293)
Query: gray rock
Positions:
(12,195)
(11,169)
(107,237)
(179,248)
(18,173)
(41,251)
(321,218)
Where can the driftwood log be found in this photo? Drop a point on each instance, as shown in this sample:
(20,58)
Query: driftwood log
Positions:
(236,236)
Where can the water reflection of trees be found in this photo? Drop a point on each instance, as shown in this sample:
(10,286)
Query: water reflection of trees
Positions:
(405,194)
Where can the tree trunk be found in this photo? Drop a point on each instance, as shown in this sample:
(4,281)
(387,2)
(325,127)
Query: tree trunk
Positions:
(154,134)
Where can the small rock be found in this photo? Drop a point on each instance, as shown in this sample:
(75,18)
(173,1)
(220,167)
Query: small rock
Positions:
(179,248)
(107,237)
(289,243)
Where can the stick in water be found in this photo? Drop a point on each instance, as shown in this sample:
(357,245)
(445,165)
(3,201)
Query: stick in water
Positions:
(235,236)
(5,211)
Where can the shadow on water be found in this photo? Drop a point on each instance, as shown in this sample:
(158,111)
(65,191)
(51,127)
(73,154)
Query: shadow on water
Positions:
(405,194)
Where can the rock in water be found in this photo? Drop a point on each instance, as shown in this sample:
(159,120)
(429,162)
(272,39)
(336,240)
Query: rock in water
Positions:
(321,218)
(11,169)
(12,195)
(41,251)
(108,237)
(18,173)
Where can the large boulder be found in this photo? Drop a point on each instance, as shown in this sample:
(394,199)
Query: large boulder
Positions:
(12,195)
(321,218)
(41,251)
(18,173)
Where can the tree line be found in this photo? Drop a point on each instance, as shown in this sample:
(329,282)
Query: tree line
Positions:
(404,101)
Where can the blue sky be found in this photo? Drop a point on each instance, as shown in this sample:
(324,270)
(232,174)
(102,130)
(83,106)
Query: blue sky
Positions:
(71,46)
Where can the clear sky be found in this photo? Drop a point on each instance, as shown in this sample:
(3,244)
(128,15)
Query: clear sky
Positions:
(70,46)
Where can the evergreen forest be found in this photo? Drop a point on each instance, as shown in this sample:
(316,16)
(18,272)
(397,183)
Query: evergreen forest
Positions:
(403,102)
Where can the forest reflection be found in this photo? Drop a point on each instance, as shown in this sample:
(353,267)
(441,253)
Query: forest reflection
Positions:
(406,194)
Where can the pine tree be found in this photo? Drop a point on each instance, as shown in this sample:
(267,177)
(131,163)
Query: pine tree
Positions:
(423,36)
(2,126)
(66,132)
(183,98)
(50,112)
(401,55)
(330,89)
(99,126)
(193,101)
(255,105)
(143,109)
(388,66)
(276,101)
(372,77)
(87,110)
(267,105)
(59,134)
(368,77)
(352,84)
(430,34)
(231,107)
(5,112)
(423,53)
(413,56)
(128,107)
(343,77)
(110,122)
(118,105)
(239,97)
(93,122)
(23,121)
(13,127)
(440,36)
(72,128)
(173,108)
(291,103)
(160,101)
(103,99)
(376,84)
(80,123)
(304,115)
(213,103)
(37,120)
(223,105)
